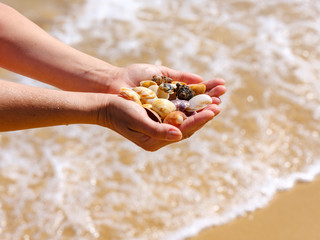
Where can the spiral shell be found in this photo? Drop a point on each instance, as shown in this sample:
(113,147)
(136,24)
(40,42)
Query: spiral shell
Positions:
(129,94)
(175,118)
(167,87)
(199,102)
(157,79)
(161,79)
(184,92)
(163,107)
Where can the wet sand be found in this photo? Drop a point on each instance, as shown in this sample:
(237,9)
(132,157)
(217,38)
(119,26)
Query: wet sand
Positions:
(291,215)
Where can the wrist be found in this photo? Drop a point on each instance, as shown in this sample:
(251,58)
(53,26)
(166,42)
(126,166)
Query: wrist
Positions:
(83,108)
(100,79)
(102,110)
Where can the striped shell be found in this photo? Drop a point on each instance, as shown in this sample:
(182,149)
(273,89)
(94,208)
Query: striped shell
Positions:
(147,83)
(163,107)
(146,94)
(129,94)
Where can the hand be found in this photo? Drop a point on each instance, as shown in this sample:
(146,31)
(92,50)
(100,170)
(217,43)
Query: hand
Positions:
(214,88)
(132,75)
(131,121)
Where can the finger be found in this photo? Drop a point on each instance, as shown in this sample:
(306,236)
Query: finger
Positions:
(213,108)
(214,83)
(217,91)
(159,131)
(216,100)
(189,78)
(195,122)
(146,142)
(149,138)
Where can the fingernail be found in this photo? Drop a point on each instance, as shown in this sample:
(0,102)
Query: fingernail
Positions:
(174,135)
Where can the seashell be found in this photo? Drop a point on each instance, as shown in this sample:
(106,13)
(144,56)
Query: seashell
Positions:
(147,105)
(175,118)
(147,83)
(172,96)
(167,79)
(154,88)
(167,87)
(157,79)
(129,94)
(199,102)
(163,107)
(161,79)
(198,88)
(148,100)
(162,94)
(175,82)
(181,105)
(146,94)
(184,92)
(152,114)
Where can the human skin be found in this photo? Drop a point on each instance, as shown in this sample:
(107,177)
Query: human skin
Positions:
(89,85)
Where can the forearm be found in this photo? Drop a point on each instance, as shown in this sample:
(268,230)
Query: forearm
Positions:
(28,50)
(23,107)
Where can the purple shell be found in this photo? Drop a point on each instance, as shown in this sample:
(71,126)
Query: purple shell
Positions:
(181,105)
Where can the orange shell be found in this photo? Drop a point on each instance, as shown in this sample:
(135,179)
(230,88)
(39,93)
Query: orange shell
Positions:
(198,88)
(175,118)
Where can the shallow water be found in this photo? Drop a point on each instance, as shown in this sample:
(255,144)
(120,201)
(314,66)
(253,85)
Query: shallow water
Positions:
(86,182)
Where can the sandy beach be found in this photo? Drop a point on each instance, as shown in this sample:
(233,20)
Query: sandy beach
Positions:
(86,182)
(291,215)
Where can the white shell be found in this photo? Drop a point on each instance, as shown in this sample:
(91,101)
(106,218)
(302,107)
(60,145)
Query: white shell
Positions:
(163,107)
(199,102)
(154,88)
(160,93)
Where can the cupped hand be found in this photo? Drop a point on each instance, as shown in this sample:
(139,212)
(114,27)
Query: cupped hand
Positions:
(147,133)
(214,88)
(132,121)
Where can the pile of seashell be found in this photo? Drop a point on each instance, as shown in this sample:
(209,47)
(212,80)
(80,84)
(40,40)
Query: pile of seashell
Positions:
(168,101)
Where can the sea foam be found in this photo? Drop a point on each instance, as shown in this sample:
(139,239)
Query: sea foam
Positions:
(86,182)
